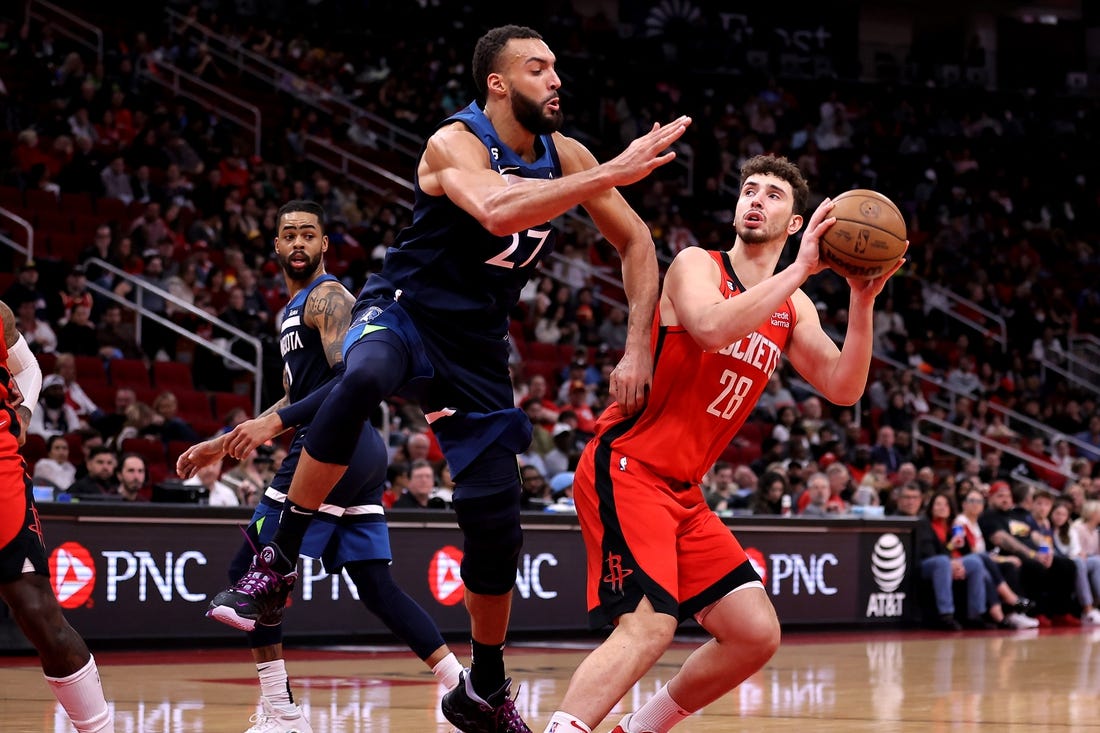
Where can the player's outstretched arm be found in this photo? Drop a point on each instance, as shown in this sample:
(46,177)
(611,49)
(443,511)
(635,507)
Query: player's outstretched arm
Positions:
(625,230)
(455,164)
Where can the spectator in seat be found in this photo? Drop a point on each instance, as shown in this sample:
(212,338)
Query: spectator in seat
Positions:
(37,332)
(247,477)
(1044,577)
(74,293)
(172,426)
(131,475)
(1068,544)
(418,494)
(397,480)
(109,424)
(883,450)
(721,490)
(53,416)
(218,493)
(78,335)
(1088,539)
(116,181)
(536,494)
(26,287)
(613,329)
(768,498)
(55,469)
(116,339)
(1003,569)
(100,481)
(936,539)
(75,395)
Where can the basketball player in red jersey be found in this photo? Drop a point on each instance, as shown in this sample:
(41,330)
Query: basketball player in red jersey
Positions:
(67,664)
(656,554)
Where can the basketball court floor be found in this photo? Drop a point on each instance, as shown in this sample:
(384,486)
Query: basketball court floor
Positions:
(881,681)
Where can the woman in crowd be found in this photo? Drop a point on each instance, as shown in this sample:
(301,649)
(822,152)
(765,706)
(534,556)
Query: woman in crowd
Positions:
(999,567)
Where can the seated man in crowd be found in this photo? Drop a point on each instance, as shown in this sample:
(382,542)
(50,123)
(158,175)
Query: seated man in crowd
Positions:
(101,481)
(1046,578)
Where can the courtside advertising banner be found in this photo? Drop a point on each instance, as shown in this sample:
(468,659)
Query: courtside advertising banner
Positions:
(151,576)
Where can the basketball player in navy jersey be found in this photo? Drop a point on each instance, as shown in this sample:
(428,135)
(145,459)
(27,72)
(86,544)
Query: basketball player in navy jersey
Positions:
(350,531)
(25,588)
(433,326)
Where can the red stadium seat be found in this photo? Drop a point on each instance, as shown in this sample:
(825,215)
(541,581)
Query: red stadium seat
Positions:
(130,373)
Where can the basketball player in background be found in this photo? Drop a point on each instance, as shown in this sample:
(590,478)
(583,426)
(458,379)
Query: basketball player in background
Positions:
(69,667)
(433,324)
(350,532)
(656,554)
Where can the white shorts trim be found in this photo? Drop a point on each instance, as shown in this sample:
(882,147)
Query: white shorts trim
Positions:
(703,613)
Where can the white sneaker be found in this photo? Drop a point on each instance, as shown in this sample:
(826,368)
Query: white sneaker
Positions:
(1020,621)
(1092,618)
(270,720)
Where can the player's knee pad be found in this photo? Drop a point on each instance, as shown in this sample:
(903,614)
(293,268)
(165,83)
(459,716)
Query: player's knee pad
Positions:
(487,508)
(374,369)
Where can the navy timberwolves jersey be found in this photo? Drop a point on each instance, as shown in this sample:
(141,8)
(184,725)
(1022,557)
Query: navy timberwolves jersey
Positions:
(303,354)
(450,270)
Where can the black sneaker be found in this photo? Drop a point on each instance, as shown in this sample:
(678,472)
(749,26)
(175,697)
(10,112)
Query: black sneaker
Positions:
(258,597)
(470,714)
(1026,606)
(946,622)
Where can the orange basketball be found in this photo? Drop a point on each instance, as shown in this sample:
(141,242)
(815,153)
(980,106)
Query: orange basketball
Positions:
(868,237)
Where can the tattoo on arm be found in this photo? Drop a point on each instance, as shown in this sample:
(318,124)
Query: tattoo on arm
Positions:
(329,309)
(283,402)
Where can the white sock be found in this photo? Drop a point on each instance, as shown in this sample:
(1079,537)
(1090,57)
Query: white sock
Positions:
(81,694)
(447,671)
(565,723)
(275,685)
(659,714)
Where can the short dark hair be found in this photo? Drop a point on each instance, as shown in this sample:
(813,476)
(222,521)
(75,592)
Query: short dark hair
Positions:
(308,207)
(783,169)
(100,450)
(487,52)
(131,454)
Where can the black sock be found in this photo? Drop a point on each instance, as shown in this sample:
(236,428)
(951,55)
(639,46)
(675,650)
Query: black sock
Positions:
(293,523)
(486,668)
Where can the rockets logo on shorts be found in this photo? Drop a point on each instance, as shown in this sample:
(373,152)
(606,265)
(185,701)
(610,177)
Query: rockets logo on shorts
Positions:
(616,573)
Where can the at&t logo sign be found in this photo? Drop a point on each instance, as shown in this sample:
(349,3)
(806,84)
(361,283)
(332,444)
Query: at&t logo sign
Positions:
(888,567)
(72,572)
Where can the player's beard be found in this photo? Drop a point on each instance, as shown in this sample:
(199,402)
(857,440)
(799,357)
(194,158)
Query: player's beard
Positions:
(530,114)
(759,235)
(304,273)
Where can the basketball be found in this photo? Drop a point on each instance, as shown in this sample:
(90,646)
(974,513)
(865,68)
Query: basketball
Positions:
(868,237)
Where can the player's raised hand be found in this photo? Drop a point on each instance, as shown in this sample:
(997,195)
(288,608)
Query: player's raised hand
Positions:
(809,253)
(647,152)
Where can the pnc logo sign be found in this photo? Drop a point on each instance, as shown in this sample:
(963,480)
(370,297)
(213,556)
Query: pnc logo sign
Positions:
(756,559)
(72,571)
(444,576)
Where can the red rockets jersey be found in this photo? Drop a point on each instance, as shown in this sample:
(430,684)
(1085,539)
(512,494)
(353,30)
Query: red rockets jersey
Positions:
(698,400)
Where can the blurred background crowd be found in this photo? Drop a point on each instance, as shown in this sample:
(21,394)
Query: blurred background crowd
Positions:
(155,150)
